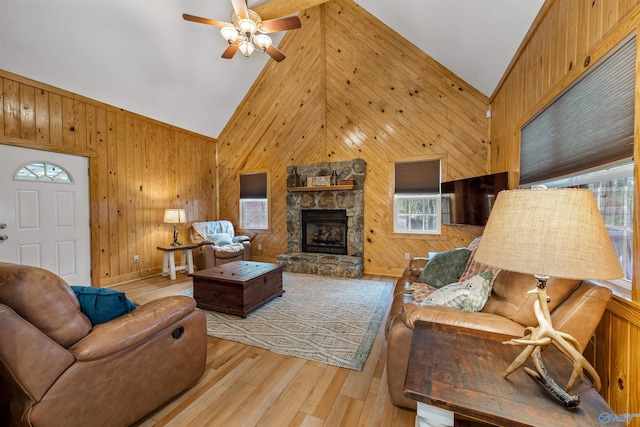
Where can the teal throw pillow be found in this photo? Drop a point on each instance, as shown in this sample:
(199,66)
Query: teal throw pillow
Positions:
(101,304)
(445,267)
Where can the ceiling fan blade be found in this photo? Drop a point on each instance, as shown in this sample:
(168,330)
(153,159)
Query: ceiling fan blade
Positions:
(275,53)
(207,21)
(231,49)
(240,8)
(277,8)
(229,52)
(280,24)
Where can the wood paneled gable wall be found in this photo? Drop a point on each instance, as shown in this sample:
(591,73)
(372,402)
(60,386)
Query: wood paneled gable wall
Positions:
(568,38)
(279,123)
(137,168)
(353,88)
(350,88)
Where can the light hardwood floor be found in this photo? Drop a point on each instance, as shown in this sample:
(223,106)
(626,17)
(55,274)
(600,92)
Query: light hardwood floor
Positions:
(250,386)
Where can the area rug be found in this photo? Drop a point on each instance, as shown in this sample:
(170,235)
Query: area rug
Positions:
(328,320)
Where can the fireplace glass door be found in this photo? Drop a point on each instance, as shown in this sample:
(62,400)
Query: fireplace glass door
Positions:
(324,231)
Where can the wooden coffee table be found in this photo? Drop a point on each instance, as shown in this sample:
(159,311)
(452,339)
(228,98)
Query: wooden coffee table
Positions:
(237,287)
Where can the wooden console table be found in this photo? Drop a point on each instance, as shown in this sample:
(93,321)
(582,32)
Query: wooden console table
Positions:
(460,370)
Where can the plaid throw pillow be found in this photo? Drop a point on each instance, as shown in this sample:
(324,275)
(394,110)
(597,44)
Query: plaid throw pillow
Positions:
(473,267)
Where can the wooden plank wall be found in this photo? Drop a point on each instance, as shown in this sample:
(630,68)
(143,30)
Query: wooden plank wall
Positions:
(569,38)
(138,167)
(279,123)
(352,88)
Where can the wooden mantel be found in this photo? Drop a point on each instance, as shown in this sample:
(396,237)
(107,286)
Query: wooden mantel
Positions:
(322,188)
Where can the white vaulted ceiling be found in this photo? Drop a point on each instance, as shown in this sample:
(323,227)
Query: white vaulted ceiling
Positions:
(142,56)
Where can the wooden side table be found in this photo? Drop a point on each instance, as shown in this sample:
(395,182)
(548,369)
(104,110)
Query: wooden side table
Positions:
(459,371)
(169,263)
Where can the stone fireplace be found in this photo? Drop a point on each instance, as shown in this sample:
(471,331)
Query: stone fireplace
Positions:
(344,207)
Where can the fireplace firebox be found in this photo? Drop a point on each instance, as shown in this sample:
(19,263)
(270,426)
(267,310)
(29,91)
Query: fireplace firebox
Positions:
(324,231)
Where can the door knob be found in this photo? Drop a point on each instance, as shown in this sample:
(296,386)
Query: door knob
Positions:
(3,225)
(3,237)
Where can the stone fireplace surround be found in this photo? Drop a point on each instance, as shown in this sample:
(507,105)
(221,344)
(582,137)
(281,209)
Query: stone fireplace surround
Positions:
(352,200)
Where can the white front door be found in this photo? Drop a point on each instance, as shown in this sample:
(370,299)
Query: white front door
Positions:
(44,221)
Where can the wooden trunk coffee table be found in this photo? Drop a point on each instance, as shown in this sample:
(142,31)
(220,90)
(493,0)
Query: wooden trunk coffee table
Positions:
(237,287)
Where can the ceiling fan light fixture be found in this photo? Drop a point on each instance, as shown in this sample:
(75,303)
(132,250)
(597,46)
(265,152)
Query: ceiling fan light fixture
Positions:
(262,42)
(247,27)
(246,47)
(247,32)
(230,34)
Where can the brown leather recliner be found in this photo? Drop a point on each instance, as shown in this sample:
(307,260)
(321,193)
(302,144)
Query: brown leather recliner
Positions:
(58,370)
(218,244)
(576,308)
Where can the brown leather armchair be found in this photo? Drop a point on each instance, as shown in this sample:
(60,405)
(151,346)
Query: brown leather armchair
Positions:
(58,370)
(218,244)
(576,308)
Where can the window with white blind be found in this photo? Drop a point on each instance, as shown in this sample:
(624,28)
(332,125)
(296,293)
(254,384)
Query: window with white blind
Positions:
(254,203)
(416,199)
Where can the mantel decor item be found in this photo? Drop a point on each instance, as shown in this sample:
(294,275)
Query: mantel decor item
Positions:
(293,180)
(549,233)
(334,178)
(175,216)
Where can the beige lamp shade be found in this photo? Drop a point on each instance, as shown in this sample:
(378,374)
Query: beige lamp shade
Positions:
(549,232)
(175,216)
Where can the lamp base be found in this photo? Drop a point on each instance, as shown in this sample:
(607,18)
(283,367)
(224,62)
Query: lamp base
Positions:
(538,338)
(175,237)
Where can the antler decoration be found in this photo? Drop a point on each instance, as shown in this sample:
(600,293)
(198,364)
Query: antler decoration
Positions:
(538,338)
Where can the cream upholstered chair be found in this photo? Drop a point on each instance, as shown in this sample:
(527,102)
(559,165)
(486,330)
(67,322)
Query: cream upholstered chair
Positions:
(218,244)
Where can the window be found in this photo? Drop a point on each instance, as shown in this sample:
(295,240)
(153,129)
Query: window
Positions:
(43,172)
(575,140)
(612,188)
(254,204)
(416,200)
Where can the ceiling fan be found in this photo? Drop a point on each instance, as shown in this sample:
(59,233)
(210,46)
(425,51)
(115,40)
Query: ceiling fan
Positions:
(248,32)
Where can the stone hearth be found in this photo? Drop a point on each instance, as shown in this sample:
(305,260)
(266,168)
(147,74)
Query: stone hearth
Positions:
(322,264)
(351,200)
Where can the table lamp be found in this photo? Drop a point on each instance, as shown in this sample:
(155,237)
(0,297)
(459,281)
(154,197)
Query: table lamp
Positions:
(175,216)
(549,232)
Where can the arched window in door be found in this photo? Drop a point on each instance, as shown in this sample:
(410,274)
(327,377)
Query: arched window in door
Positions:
(43,172)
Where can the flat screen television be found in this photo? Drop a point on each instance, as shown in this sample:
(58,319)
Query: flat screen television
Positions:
(469,201)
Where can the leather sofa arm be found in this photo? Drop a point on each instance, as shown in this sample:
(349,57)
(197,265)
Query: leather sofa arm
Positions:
(241,239)
(411,273)
(580,313)
(133,328)
(416,265)
(31,359)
